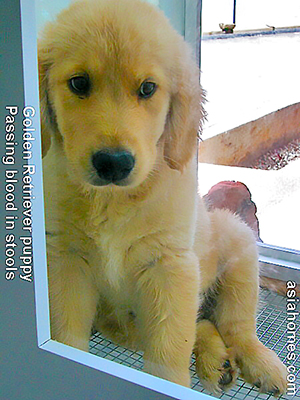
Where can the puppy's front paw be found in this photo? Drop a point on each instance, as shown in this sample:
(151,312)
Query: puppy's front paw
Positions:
(261,367)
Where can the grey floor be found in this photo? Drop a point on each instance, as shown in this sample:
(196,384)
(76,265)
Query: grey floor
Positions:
(271,328)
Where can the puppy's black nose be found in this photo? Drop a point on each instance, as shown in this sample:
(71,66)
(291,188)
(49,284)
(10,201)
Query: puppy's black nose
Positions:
(113,166)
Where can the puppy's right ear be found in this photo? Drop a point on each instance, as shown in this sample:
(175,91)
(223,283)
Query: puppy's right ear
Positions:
(47,117)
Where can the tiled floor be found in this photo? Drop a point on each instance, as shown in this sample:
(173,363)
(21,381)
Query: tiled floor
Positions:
(271,328)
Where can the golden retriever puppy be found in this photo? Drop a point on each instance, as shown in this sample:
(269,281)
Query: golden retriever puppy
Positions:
(121,105)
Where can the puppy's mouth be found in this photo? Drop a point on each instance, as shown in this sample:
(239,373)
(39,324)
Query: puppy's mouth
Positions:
(112,167)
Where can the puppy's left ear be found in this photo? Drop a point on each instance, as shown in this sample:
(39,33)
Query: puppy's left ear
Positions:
(186,113)
(49,127)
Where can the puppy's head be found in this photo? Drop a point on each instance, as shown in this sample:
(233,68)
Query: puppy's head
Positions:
(119,91)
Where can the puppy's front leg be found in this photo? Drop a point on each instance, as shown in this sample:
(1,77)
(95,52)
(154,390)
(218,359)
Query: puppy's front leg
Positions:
(73,299)
(167,311)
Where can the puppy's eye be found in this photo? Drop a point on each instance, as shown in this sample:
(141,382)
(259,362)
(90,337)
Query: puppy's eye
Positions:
(80,85)
(147,89)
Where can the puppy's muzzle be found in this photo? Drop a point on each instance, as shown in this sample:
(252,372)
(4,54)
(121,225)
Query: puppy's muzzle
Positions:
(113,166)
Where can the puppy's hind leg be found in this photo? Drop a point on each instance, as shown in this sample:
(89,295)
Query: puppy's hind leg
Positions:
(73,299)
(215,363)
(235,311)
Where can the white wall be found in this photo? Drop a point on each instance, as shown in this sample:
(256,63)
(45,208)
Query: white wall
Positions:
(250,14)
(47,9)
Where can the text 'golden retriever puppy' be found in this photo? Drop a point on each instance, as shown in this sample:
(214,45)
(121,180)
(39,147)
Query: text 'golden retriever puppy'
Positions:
(121,107)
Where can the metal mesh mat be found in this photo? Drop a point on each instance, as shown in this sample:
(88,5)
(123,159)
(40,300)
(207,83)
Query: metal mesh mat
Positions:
(271,329)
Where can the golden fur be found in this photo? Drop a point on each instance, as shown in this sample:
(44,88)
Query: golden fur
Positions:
(125,259)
